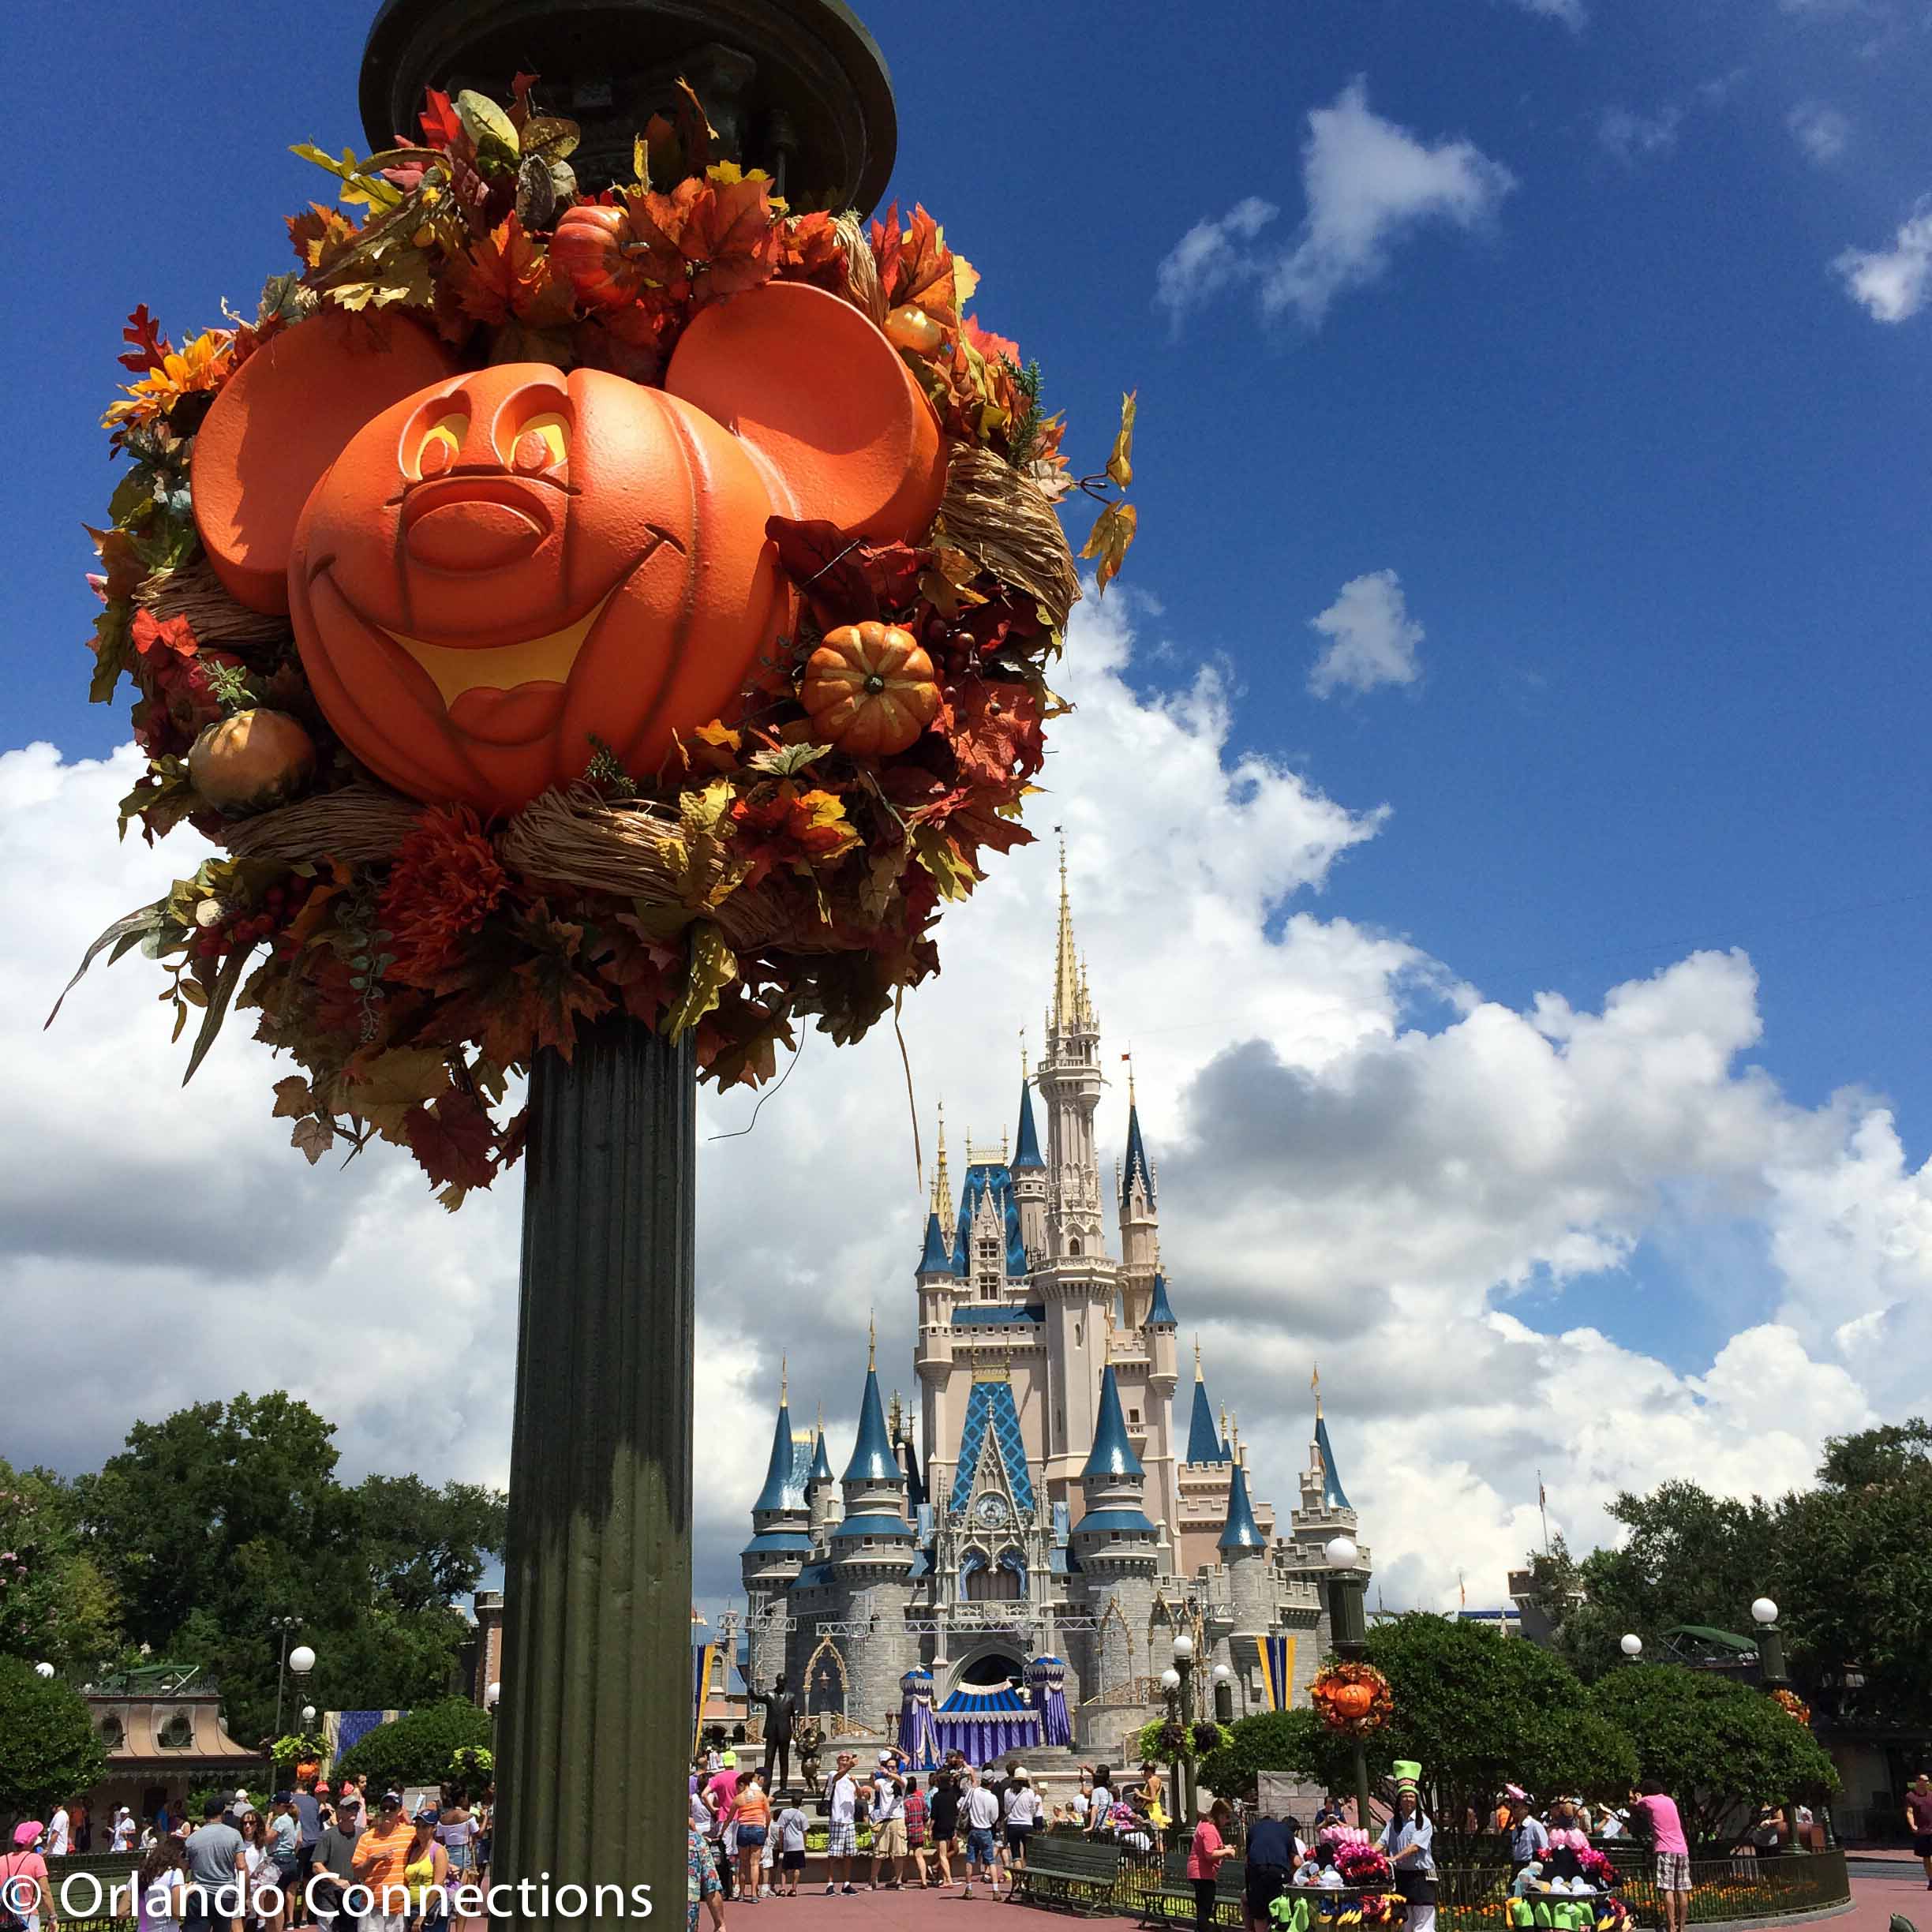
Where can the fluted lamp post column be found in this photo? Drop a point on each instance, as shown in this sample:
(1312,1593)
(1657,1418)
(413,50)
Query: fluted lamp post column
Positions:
(1347,1589)
(595,1718)
(1771,1671)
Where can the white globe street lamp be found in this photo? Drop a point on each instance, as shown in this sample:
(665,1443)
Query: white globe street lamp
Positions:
(44,1671)
(491,1696)
(309,1714)
(1765,1610)
(1341,1552)
(301,1660)
(1222,1673)
(1631,1644)
(1170,1678)
(1183,1647)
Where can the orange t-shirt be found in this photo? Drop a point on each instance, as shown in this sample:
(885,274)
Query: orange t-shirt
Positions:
(753,1806)
(379,1855)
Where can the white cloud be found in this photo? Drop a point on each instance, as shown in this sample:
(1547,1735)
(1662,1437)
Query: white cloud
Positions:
(1207,258)
(1367,183)
(1633,137)
(1891,284)
(1362,1160)
(1372,638)
(1821,130)
(1572,12)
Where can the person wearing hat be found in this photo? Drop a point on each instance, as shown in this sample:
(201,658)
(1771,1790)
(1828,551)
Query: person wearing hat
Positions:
(120,1833)
(425,1873)
(25,1888)
(332,1872)
(1023,1808)
(1409,1840)
(377,1862)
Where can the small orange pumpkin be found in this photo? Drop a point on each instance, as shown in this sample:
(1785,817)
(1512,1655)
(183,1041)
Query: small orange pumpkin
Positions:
(589,246)
(1353,1700)
(870,689)
(252,761)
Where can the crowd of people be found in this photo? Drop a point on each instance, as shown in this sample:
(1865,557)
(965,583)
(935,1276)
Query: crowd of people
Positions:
(239,1868)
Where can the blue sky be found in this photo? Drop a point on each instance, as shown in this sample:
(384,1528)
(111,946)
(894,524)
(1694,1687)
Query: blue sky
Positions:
(1554,320)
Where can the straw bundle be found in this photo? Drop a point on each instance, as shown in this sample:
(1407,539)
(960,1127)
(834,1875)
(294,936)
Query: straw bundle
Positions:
(359,825)
(994,513)
(861,275)
(196,593)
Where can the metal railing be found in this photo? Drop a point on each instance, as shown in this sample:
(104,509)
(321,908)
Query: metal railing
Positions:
(1476,1898)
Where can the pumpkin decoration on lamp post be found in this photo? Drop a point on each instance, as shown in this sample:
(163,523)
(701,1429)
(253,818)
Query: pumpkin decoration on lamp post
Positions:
(1353,1699)
(601,618)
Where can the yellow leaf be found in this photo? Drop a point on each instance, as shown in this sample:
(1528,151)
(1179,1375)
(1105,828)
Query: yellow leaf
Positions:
(719,735)
(1120,465)
(941,858)
(1112,531)
(292,1097)
(965,280)
(405,1077)
(712,968)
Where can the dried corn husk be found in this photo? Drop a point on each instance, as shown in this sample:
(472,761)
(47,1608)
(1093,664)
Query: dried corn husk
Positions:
(359,825)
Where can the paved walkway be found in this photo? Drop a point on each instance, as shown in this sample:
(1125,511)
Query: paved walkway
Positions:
(1874,1901)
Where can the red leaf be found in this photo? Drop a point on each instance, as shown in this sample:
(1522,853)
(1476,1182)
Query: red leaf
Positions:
(150,345)
(453,1139)
(845,581)
(440,123)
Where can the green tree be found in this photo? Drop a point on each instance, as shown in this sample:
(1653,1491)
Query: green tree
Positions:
(420,1747)
(223,1516)
(1853,1576)
(1689,1557)
(48,1750)
(1477,1710)
(1296,1741)
(55,1606)
(426,1546)
(1722,1749)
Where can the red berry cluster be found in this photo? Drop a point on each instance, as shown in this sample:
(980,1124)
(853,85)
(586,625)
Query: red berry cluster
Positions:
(279,904)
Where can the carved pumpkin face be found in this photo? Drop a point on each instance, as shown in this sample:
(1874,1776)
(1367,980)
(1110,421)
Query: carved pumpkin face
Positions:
(504,570)
(506,567)
(1352,1700)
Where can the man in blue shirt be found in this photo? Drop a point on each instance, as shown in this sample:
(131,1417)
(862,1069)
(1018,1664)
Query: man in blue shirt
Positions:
(1272,1859)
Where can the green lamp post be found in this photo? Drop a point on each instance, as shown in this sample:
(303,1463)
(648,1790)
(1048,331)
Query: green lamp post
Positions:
(593,1727)
(1348,1590)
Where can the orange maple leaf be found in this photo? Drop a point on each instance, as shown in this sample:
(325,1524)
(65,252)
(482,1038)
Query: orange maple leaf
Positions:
(706,238)
(505,276)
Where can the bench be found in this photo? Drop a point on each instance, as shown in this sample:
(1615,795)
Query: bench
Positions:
(1172,1901)
(1076,1873)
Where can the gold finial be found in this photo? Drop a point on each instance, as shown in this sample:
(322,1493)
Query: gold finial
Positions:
(1315,1383)
(1131,1101)
(1003,1147)
(872,1340)
(1224,1427)
(1024,1069)
(781,1382)
(1197,1367)
(822,1415)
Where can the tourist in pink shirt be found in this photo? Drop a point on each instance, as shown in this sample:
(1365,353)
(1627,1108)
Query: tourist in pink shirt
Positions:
(1209,1847)
(1653,1811)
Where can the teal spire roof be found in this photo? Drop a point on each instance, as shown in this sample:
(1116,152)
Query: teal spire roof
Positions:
(1137,1161)
(1026,1150)
(935,1259)
(1112,1454)
(872,1459)
(781,1490)
(1204,1444)
(821,1463)
(1160,1309)
(1332,1494)
(1242,1532)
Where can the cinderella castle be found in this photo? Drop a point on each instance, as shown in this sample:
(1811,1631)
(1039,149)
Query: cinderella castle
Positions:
(1066,1511)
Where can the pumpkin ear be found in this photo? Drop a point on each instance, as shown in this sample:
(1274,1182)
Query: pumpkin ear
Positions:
(278,424)
(810,385)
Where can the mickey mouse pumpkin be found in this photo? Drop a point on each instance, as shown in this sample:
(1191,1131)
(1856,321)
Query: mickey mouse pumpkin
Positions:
(490,573)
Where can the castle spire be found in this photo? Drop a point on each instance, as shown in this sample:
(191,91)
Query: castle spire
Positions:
(1203,1444)
(1241,1532)
(943,1184)
(1066,962)
(1113,1453)
(781,1492)
(1138,1168)
(871,1341)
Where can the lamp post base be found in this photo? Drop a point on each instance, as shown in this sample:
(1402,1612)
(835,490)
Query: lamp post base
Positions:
(594,1723)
